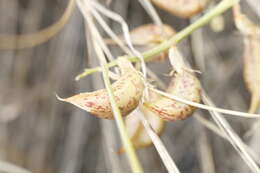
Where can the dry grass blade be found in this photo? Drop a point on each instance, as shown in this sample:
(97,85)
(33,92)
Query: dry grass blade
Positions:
(126,33)
(33,39)
(151,11)
(110,32)
(254,4)
(133,160)
(162,151)
(11,168)
(222,134)
(206,107)
(232,136)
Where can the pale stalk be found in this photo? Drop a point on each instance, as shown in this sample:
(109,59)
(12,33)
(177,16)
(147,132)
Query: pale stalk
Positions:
(134,162)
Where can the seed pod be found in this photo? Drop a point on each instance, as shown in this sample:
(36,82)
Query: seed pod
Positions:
(158,124)
(151,34)
(127,89)
(184,85)
(136,130)
(217,24)
(182,8)
(251,34)
(148,36)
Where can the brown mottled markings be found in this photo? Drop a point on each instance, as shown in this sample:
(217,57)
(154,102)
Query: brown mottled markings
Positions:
(126,96)
(184,85)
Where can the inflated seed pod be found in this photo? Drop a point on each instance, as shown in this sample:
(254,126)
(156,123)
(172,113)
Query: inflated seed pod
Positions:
(148,36)
(143,139)
(251,34)
(136,130)
(184,85)
(151,34)
(182,8)
(128,90)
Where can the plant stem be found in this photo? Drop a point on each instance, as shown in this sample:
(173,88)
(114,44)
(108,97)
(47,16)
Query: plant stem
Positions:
(133,160)
(219,9)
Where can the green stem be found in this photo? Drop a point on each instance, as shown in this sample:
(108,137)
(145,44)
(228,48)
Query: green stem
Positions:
(134,162)
(219,9)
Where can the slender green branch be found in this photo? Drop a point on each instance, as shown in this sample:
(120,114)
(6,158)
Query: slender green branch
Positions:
(135,164)
(219,9)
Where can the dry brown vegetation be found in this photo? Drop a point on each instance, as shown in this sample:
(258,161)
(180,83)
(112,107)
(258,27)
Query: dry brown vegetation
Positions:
(44,135)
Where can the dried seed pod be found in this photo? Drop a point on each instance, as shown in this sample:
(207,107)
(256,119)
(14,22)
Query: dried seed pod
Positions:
(148,36)
(184,85)
(136,130)
(128,90)
(251,34)
(182,8)
(151,34)
(217,24)
(143,139)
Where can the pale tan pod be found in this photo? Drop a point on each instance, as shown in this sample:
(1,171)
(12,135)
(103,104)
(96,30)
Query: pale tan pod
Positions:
(184,85)
(182,8)
(133,125)
(128,90)
(151,34)
(136,130)
(143,139)
(251,34)
(148,36)
(217,24)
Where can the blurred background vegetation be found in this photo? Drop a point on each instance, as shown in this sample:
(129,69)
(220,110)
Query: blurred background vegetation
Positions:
(44,135)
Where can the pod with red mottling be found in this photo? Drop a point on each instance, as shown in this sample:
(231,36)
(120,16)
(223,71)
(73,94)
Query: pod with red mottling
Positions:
(184,85)
(128,90)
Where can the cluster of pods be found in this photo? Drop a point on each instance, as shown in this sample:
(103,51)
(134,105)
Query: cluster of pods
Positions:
(251,37)
(129,88)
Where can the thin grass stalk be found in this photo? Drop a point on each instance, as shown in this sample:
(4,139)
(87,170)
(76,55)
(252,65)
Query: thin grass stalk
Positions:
(233,138)
(206,107)
(9,167)
(162,151)
(151,11)
(134,162)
